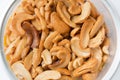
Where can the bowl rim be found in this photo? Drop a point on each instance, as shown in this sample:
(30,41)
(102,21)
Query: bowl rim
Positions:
(114,65)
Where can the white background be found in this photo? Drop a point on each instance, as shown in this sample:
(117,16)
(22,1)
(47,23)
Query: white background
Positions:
(4,4)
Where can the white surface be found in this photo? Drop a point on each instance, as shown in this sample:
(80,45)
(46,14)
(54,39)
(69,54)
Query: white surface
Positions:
(4,4)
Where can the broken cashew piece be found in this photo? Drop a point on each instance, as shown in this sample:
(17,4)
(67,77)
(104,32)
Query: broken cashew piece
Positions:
(17,21)
(49,74)
(75,31)
(46,57)
(63,16)
(86,9)
(65,78)
(76,48)
(63,71)
(98,39)
(19,70)
(90,76)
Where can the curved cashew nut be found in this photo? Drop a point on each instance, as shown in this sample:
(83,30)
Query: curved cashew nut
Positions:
(48,42)
(67,20)
(86,9)
(19,70)
(46,57)
(89,66)
(62,54)
(98,24)
(90,76)
(58,25)
(52,74)
(32,34)
(106,45)
(98,39)
(63,71)
(77,62)
(17,21)
(70,66)
(76,48)
(84,34)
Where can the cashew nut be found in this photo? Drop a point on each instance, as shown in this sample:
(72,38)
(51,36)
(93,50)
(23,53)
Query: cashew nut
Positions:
(48,42)
(77,62)
(86,9)
(90,76)
(76,48)
(58,25)
(63,71)
(98,24)
(84,34)
(70,66)
(36,59)
(65,78)
(28,61)
(98,39)
(53,74)
(106,45)
(62,54)
(19,70)
(36,23)
(63,16)
(89,66)
(46,57)
(74,31)
(17,21)
(32,34)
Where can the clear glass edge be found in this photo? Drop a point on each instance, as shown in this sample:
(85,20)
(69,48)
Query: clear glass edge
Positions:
(115,16)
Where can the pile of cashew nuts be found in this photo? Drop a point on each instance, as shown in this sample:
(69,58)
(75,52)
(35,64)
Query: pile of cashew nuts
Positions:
(56,40)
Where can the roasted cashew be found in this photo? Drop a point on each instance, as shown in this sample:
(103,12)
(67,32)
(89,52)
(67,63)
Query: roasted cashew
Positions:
(17,54)
(89,66)
(32,34)
(62,54)
(46,57)
(48,42)
(77,62)
(52,74)
(90,76)
(28,8)
(33,72)
(28,60)
(86,9)
(106,45)
(67,20)
(98,24)
(58,25)
(98,39)
(70,66)
(63,71)
(84,34)
(76,48)
(17,21)
(20,71)
(36,23)
(74,31)
(40,3)
(36,59)
(41,18)
(65,78)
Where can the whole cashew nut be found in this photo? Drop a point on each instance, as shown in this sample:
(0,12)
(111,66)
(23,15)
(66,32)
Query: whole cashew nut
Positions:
(86,9)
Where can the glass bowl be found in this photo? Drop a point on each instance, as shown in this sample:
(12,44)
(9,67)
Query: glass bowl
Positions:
(112,21)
